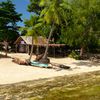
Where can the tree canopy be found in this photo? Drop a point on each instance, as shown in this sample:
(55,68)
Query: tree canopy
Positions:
(85,24)
(8,19)
(73,22)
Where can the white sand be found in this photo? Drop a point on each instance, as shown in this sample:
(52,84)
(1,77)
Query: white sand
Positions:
(11,72)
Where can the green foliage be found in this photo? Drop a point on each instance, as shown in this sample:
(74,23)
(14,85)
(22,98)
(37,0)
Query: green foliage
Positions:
(74,55)
(84,25)
(32,26)
(54,11)
(76,22)
(51,12)
(8,19)
(57,13)
(34,7)
(87,17)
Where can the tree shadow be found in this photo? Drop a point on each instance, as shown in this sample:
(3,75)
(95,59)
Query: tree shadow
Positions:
(87,63)
(3,56)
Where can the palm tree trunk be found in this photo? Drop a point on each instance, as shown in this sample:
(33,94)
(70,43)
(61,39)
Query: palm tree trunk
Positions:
(31,51)
(44,58)
(37,50)
(28,49)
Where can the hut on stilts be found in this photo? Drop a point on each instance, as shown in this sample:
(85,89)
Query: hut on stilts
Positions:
(23,45)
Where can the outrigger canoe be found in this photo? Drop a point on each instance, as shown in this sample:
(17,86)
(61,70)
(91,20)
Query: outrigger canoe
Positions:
(34,63)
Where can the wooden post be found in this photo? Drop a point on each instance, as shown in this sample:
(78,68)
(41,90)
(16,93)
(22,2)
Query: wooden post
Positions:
(54,51)
(28,49)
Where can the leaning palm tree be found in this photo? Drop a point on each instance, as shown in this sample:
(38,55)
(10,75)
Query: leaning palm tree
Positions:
(31,30)
(52,14)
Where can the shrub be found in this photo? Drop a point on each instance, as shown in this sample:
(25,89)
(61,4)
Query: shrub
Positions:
(74,55)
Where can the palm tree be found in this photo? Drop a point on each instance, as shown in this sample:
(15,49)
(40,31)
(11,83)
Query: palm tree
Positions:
(31,30)
(52,14)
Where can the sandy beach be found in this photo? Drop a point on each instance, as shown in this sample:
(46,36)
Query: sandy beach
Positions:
(11,72)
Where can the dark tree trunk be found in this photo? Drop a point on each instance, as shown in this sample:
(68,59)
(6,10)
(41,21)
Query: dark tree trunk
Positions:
(83,45)
(81,51)
(6,48)
(44,58)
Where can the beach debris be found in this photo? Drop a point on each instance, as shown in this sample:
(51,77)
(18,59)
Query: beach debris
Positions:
(62,66)
(19,61)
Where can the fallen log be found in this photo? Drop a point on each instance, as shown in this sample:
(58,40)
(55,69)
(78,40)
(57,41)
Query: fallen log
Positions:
(19,61)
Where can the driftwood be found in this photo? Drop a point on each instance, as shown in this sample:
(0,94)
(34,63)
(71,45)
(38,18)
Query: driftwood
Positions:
(19,61)
(55,65)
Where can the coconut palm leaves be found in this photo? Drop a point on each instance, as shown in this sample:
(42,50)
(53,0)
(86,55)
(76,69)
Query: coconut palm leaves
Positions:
(53,11)
(52,14)
(31,30)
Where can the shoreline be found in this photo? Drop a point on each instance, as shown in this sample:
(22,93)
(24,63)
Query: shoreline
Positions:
(13,73)
(82,75)
(40,88)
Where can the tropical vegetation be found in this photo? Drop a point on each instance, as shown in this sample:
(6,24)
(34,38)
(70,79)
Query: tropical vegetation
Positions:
(8,19)
(72,22)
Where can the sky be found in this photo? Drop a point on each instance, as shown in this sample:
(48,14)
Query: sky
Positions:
(21,7)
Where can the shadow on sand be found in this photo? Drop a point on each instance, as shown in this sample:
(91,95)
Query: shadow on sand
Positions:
(3,56)
(87,63)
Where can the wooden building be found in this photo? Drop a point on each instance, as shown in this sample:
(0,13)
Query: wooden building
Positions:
(24,43)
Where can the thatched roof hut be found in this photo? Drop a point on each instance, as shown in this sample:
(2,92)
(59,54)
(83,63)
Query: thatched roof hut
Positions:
(24,45)
(28,40)
(40,41)
(24,40)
